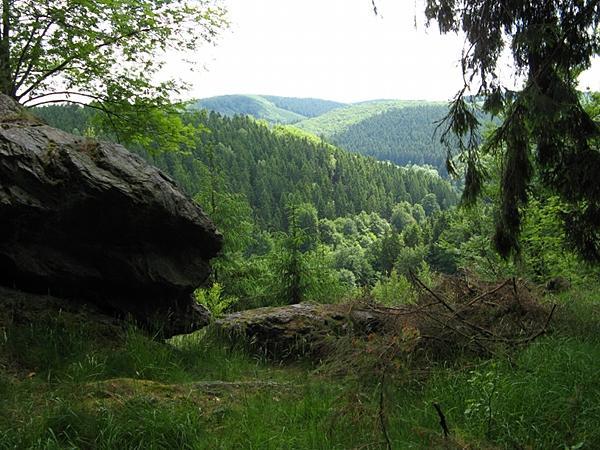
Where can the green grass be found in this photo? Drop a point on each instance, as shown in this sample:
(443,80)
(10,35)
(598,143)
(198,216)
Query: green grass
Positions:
(69,381)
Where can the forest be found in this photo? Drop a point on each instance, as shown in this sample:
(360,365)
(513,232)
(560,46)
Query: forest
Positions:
(385,274)
(402,132)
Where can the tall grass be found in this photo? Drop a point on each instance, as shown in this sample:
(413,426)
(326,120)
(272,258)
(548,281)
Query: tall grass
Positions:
(66,383)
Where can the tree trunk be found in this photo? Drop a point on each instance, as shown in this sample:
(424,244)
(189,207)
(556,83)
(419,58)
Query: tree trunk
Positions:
(5,71)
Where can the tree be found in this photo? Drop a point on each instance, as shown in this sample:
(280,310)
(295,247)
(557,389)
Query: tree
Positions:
(402,216)
(430,204)
(546,135)
(106,53)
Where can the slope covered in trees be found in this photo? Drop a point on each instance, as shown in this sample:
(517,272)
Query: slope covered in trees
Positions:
(269,165)
(401,135)
(340,119)
(268,107)
(388,130)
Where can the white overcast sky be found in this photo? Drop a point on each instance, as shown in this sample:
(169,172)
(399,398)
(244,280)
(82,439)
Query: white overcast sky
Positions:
(333,49)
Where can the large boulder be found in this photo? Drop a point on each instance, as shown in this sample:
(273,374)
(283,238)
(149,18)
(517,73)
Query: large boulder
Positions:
(302,328)
(460,315)
(86,219)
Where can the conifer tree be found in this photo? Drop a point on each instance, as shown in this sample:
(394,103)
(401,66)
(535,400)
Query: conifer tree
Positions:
(546,133)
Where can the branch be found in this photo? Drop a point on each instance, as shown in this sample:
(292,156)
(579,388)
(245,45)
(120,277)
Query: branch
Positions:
(442,418)
(485,294)
(527,339)
(433,294)
(87,105)
(24,52)
(67,93)
(69,60)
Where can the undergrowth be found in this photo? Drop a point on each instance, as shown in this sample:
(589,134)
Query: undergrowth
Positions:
(72,382)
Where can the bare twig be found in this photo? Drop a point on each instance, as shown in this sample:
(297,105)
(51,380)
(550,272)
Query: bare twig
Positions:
(443,422)
(433,294)
(485,294)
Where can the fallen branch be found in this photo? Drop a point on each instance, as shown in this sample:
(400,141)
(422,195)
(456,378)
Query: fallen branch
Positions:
(433,294)
(442,418)
(487,293)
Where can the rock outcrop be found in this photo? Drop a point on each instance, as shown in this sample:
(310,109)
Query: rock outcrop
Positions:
(86,219)
(460,315)
(294,330)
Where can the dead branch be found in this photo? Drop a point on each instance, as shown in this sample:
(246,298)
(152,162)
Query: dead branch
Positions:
(442,418)
(487,293)
(433,294)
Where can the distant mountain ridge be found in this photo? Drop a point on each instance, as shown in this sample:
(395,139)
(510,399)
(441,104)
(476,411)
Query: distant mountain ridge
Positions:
(404,136)
(274,109)
(339,120)
(400,131)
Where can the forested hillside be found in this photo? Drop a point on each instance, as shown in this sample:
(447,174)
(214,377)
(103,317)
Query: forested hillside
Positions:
(340,119)
(268,107)
(271,165)
(388,130)
(401,135)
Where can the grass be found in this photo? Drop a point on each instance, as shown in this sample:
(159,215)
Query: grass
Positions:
(70,380)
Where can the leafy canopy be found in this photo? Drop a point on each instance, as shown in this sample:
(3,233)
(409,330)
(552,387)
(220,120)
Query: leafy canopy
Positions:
(107,52)
(546,135)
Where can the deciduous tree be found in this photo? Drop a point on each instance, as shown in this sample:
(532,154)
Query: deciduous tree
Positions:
(104,52)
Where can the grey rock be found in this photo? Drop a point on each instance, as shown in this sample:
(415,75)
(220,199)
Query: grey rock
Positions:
(86,219)
(558,284)
(300,329)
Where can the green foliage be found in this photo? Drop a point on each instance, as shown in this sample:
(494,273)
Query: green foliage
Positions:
(546,253)
(293,271)
(465,243)
(303,271)
(105,54)
(385,252)
(402,216)
(394,290)
(480,406)
(546,136)
(212,298)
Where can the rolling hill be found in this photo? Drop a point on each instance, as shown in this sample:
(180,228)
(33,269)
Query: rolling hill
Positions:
(268,107)
(399,131)
(401,135)
(339,120)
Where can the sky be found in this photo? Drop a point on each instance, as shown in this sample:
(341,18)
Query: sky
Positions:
(334,49)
